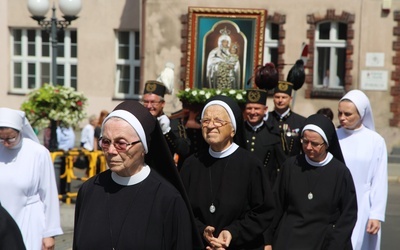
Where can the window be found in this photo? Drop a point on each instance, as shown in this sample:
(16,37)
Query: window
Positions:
(271,43)
(31,59)
(127,64)
(330,55)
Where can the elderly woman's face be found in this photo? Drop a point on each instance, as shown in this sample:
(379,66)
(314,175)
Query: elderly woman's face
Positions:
(123,162)
(217,128)
(348,115)
(9,137)
(313,145)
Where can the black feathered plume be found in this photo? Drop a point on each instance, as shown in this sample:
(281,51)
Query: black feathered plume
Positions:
(266,77)
(296,75)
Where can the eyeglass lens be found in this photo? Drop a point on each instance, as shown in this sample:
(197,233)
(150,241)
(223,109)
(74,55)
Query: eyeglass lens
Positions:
(313,144)
(119,145)
(216,122)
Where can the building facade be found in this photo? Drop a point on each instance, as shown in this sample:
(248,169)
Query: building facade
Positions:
(115,46)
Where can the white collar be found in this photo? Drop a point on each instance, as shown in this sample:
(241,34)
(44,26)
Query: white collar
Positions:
(254,128)
(265,116)
(284,113)
(327,159)
(353,131)
(224,153)
(131,180)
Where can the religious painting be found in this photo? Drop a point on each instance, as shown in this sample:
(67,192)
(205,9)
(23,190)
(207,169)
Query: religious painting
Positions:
(224,47)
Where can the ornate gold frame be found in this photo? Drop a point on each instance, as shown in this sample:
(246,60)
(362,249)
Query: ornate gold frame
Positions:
(249,25)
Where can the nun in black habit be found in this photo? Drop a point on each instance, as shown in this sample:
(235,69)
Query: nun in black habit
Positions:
(317,206)
(139,202)
(230,195)
(10,235)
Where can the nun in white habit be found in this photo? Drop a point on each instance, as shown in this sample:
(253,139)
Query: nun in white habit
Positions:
(365,154)
(28,189)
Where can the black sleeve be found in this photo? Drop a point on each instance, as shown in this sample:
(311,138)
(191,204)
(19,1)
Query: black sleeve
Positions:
(347,214)
(10,235)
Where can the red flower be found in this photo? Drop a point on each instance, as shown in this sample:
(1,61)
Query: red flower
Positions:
(79,103)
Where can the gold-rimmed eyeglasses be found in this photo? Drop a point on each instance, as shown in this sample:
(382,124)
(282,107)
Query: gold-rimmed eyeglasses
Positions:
(151,103)
(314,145)
(217,122)
(120,145)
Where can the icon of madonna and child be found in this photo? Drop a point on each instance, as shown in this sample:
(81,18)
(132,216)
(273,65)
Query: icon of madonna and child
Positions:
(223,70)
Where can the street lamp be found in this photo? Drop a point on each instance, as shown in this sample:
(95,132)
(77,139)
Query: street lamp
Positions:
(38,9)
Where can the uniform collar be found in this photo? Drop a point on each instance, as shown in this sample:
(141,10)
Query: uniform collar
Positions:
(284,115)
(256,127)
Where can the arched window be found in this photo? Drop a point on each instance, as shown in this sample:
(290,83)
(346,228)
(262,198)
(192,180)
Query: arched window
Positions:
(271,43)
(331,50)
(330,55)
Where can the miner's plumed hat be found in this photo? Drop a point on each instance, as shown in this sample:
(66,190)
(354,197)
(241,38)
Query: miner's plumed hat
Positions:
(266,77)
(296,75)
(155,87)
(256,96)
(284,87)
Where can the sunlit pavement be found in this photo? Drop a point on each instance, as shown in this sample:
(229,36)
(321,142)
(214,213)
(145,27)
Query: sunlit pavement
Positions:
(390,229)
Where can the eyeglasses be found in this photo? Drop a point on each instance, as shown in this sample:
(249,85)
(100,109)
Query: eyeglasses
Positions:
(9,140)
(152,103)
(217,122)
(314,145)
(118,145)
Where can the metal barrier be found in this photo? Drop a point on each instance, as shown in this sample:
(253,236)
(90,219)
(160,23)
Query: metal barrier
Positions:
(97,164)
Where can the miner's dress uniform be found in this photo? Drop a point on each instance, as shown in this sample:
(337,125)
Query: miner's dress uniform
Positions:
(158,88)
(188,140)
(266,146)
(287,125)
(259,139)
(288,128)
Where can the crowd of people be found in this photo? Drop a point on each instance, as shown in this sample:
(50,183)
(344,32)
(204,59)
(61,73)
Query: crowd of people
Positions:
(257,179)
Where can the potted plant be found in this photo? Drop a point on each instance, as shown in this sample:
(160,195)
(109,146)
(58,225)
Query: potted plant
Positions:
(193,100)
(54,105)
(195,96)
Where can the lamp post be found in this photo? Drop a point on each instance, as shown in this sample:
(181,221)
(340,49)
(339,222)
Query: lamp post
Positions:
(38,9)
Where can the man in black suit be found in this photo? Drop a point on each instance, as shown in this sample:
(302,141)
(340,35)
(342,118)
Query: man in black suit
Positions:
(259,138)
(286,123)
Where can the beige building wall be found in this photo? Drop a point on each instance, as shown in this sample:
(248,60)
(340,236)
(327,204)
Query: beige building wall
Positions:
(96,27)
(5,99)
(373,33)
(161,30)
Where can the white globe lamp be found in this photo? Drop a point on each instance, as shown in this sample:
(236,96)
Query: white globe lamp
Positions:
(38,7)
(70,7)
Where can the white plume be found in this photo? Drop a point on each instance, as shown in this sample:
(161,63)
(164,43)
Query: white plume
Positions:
(167,77)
